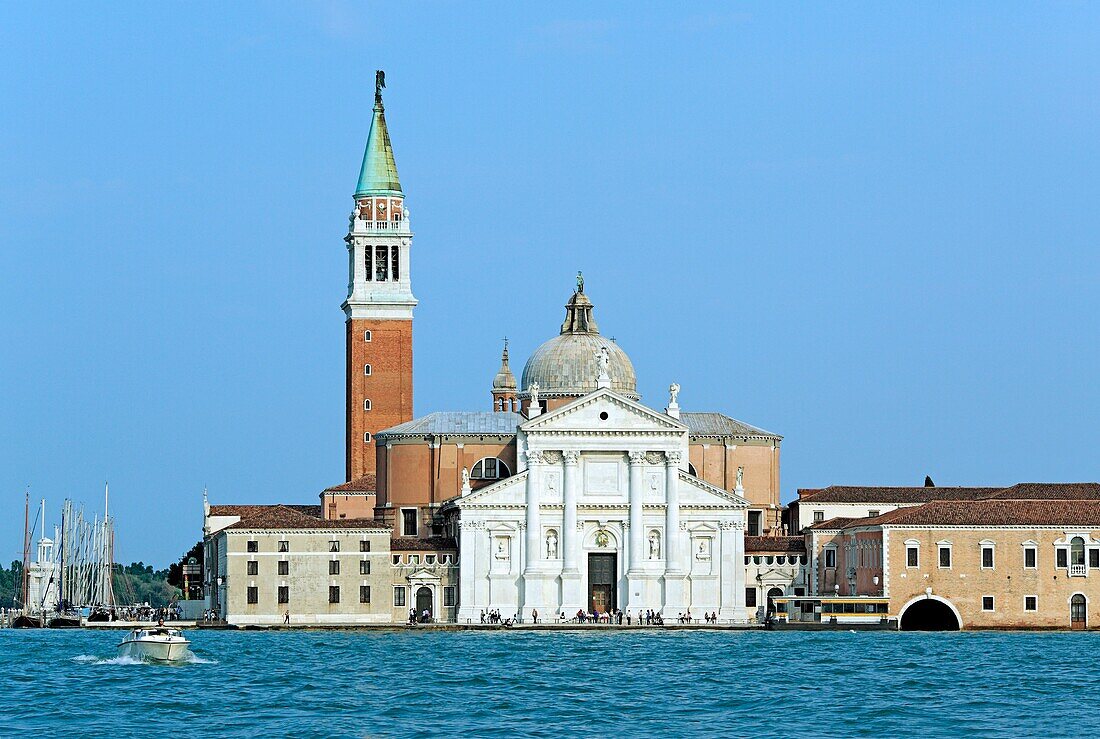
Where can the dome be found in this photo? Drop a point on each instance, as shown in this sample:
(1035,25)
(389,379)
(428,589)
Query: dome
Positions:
(568,364)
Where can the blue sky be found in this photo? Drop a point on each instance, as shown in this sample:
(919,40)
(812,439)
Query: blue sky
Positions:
(870,228)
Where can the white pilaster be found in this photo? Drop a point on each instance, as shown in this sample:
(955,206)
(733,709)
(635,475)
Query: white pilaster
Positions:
(674,552)
(570,575)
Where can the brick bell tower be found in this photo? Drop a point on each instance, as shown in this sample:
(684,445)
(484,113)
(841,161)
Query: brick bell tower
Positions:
(380,303)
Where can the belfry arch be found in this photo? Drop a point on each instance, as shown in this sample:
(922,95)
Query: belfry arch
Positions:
(929,613)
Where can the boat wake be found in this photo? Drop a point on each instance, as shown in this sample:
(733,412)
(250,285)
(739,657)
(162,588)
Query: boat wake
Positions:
(91,659)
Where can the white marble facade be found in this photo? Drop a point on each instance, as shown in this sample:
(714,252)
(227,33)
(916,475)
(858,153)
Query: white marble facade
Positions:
(603,475)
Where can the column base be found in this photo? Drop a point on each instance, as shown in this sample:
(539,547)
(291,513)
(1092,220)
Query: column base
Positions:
(675,596)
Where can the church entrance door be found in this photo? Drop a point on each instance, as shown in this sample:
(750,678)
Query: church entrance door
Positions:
(602,572)
(424,601)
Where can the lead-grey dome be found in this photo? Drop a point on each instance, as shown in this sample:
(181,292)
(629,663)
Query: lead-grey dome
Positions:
(568,365)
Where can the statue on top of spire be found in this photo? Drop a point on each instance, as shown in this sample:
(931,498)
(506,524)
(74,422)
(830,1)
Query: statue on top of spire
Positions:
(580,282)
(379,83)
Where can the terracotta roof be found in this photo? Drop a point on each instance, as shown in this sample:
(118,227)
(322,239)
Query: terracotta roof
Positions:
(423,545)
(289,517)
(881,494)
(365,484)
(991,513)
(1050,491)
(775,544)
(833,523)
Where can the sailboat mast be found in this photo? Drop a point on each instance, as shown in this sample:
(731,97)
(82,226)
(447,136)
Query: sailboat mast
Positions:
(26,545)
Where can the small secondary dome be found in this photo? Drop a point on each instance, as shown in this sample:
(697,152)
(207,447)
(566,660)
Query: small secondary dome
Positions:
(569,363)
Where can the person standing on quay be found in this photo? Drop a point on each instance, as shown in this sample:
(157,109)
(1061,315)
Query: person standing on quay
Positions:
(535,616)
(286,617)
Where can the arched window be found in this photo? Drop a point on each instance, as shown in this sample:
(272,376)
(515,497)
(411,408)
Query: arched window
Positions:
(366,404)
(490,468)
(1077,551)
(691,469)
(366,369)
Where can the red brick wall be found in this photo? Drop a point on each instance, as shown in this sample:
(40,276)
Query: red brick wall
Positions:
(389,386)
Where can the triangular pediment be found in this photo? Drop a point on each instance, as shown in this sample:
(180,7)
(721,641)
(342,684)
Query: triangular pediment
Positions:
(604,411)
(509,491)
(694,491)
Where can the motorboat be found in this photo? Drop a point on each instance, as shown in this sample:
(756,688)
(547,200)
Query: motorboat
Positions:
(155,644)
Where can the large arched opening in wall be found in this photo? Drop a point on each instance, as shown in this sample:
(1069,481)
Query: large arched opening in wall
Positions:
(929,614)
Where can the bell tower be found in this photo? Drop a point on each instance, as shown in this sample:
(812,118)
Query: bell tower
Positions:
(379,306)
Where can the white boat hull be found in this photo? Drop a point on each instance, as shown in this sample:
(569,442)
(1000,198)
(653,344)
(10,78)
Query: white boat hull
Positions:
(155,651)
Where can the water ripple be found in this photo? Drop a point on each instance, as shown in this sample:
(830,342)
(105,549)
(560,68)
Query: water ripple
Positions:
(547,684)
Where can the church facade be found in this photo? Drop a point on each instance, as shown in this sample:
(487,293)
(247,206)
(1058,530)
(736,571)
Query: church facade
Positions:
(567,494)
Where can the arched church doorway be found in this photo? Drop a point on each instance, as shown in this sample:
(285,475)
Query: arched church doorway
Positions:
(424,602)
(929,614)
(1077,616)
(773,593)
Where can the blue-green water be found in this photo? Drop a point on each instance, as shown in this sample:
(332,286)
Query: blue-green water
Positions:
(565,684)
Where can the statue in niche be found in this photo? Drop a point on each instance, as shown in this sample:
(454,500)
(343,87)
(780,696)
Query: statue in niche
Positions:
(502,548)
(654,545)
(552,544)
(703,550)
(673,393)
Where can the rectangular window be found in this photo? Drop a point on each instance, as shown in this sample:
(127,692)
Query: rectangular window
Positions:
(399,596)
(284,546)
(1094,558)
(334,546)
(284,567)
(912,557)
(364,546)
(368,262)
(333,593)
(253,595)
(1029,558)
(872,514)
(987,558)
(750,597)
(819,516)
(754,523)
(987,602)
(448,595)
(1031,602)
(395,263)
(1063,558)
(945,556)
(253,545)
(284,594)
(253,567)
(364,593)
(364,567)
(408,522)
(334,567)
(830,558)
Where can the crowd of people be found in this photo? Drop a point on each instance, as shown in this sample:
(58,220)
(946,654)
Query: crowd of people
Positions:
(425,617)
(494,617)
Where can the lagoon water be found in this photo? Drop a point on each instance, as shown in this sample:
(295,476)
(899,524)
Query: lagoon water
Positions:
(554,684)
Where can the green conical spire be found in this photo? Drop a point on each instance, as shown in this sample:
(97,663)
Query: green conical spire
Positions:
(379,173)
